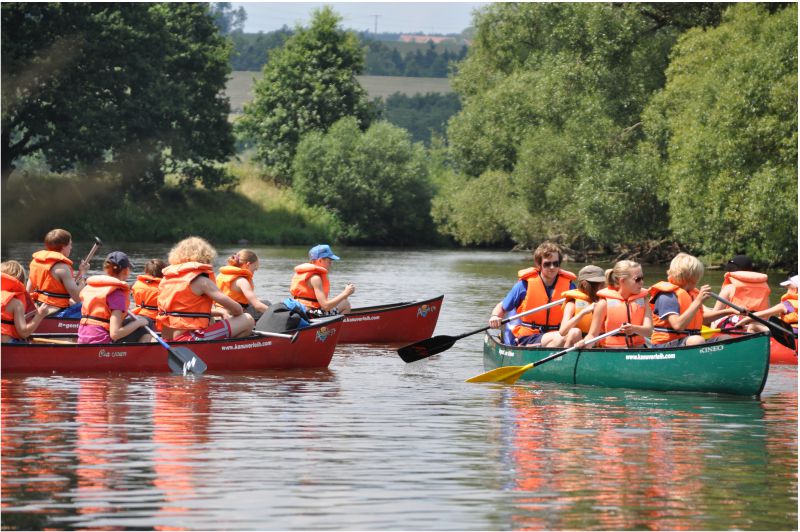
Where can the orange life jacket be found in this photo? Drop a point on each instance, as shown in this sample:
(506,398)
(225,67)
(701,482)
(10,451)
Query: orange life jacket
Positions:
(536,296)
(10,288)
(94,307)
(227,276)
(750,290)
(684,300)
(621,310)
(145,296)
(178,306)
(581,302)
(301,290)
(790,303)
(44,287)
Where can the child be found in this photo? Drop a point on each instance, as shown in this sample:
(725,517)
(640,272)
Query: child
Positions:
(623,304)
(187,293)
(786,309)
(14,327)
(145,291)
(51,279)
(743,287)
(580,303)
(105,301)
(678,305)
(236,281)
(311,287)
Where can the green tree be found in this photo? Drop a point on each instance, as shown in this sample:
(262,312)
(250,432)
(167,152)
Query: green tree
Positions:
(134,89)
(227,19)
(375,183)
(725,129)
(306,86)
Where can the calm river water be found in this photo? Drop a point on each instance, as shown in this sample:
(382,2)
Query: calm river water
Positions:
(373,443)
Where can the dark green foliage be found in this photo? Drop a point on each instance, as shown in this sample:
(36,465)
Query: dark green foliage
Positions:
(130,89)
(375,183)
(422,114)
(252,50)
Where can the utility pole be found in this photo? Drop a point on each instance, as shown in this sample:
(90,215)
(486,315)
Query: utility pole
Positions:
(376,23)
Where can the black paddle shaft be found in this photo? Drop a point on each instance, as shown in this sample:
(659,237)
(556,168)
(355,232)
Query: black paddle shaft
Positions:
(781,334)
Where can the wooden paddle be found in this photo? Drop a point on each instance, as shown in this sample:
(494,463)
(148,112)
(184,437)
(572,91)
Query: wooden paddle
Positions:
(437,344)
(90,255)
(782,335)
(181,360)
(510,374)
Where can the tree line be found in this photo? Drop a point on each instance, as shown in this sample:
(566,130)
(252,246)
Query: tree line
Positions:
(616,127)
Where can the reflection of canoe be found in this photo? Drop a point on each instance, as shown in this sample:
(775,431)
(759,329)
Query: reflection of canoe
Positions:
(738,366)
(313,348)
(780,354)
(395,323)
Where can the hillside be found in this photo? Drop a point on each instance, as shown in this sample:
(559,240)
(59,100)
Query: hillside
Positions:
(240,86)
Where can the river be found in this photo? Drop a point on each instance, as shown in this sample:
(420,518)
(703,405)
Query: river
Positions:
(374,444)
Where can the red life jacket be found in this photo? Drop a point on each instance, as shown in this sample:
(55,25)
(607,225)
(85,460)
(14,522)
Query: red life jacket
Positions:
(582,301)
(145,296)
(536,296)
(684,300)
(44,287)
(301,290)
(94,304)
(621,310)
(750,290)
(178,306)
(227,276)
(10,288)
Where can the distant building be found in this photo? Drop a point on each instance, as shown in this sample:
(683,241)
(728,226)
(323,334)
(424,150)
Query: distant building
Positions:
(425,38)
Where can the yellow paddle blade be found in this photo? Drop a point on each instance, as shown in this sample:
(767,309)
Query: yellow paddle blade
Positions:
(708,332)
(506,374)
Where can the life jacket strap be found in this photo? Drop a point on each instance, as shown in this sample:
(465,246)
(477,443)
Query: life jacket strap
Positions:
(185,314)
(85,317)
(53,294)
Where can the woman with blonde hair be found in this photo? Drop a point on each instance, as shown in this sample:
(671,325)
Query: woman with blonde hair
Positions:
(15,328)
(188,292)
(235,280)
(623,305)
(678,308)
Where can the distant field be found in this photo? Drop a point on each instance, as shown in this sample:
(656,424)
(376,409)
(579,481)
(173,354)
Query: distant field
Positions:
(240,87)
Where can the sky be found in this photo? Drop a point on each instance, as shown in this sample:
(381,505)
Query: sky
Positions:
(390,17)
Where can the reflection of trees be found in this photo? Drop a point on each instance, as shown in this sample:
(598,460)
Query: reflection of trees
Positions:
(614,460)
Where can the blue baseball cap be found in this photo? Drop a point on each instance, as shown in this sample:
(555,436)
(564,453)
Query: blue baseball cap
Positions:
(321,251)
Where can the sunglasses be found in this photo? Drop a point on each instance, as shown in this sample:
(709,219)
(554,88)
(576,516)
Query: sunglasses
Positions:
(638,279)
(554,264)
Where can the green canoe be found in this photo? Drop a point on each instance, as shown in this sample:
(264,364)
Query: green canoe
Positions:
(738,366)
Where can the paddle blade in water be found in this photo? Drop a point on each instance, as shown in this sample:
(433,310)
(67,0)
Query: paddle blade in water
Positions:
(781,334)
(426,348)
(506,374)
(182,361)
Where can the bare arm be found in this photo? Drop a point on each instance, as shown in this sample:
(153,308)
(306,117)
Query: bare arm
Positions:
(25,329)
(679,322)
(597,320)
(202,285)
(498,313)
(328,304)
(116,330)
(63,273)
(727,293)
(569,321)
(246,290)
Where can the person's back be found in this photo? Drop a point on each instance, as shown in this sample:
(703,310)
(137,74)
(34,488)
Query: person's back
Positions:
(145,290)
(744,287)
(51,280)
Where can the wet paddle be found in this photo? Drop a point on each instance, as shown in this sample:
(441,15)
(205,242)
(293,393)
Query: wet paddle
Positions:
(437,344)
(781,334)
(510,374)
(181,360)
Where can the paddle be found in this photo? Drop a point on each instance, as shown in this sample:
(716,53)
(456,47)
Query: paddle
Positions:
(90,255)
(705,332)
(278,335)
(510,374)
(181,360)
(780,333)
(437,344)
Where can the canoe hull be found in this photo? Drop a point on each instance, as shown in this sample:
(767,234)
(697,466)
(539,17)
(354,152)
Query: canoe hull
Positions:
(313,348)
(780,354)
(398,323)
(738,367)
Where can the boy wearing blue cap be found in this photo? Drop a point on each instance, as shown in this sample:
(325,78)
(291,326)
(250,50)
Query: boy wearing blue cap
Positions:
(311,286)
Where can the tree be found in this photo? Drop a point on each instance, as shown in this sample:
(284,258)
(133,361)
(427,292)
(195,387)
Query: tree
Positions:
(375,183)
(136,89)
(306,86)
(227,19)
(725,129)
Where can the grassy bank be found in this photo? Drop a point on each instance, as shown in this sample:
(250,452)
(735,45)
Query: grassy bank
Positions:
(254,210)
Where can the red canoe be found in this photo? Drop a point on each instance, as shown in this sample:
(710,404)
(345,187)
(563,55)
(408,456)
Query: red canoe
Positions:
(398,323)
(780,354)
(312,348)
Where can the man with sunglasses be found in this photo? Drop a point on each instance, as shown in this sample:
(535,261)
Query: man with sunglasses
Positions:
(537,286)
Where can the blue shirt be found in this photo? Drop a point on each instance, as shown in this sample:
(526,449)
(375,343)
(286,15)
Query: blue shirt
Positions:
(666,303)
(514,299)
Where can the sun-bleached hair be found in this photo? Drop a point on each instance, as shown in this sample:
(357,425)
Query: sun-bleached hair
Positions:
(684,269)
(14,269)
(621,270)
(242,258)
(192,249)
